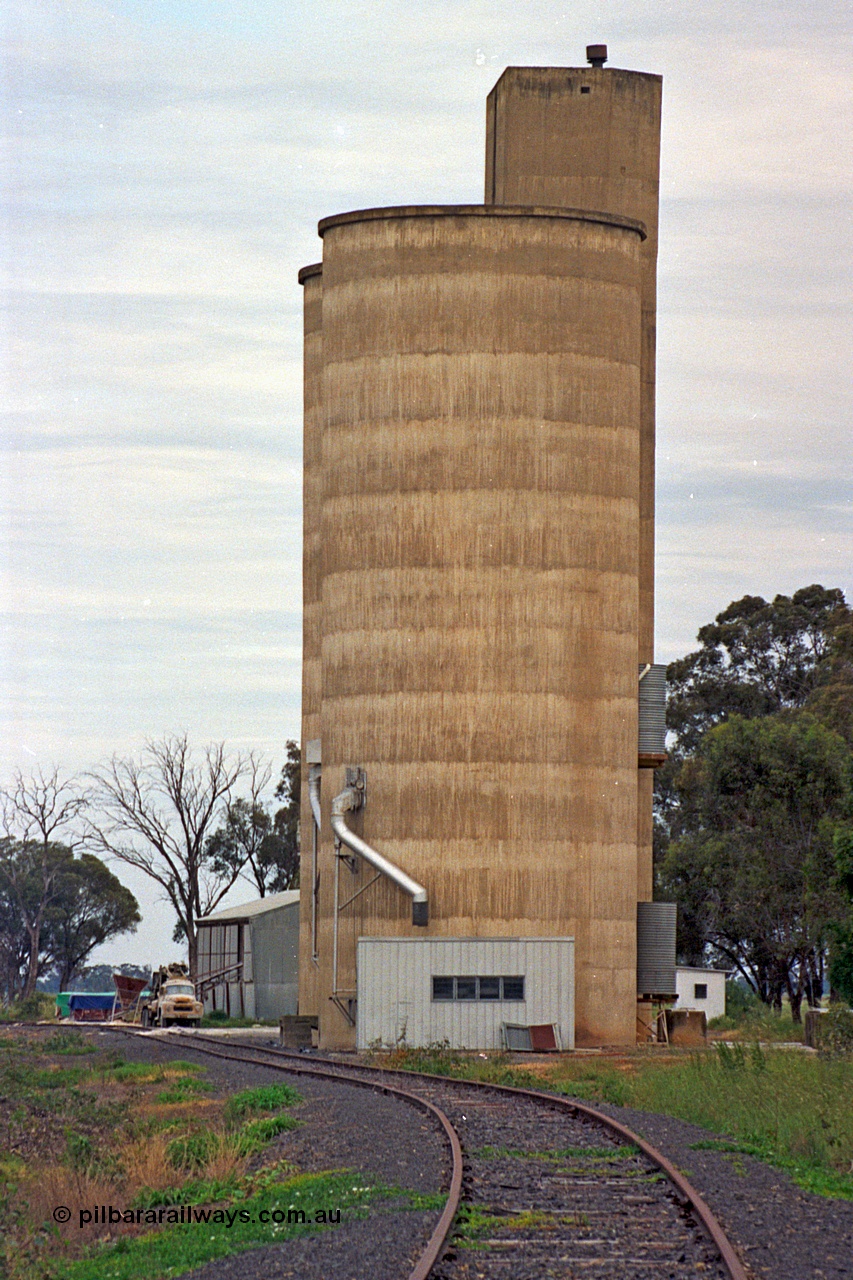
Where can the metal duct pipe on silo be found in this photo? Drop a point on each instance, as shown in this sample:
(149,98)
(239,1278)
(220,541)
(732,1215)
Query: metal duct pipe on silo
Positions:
(348,801)
(315,774)
(314,784)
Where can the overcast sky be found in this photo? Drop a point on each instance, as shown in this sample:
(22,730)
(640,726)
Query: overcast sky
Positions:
(169,161)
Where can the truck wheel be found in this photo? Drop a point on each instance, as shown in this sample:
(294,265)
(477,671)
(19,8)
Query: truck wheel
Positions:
(165,1022)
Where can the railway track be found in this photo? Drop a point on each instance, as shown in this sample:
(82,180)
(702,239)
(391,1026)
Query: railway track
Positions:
(540,1185)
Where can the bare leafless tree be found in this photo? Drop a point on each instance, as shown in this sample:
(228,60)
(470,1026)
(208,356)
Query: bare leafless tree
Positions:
(155,814)
(37,812)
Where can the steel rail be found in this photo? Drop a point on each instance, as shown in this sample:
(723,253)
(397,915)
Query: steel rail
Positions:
(435,1245)
(688,1194)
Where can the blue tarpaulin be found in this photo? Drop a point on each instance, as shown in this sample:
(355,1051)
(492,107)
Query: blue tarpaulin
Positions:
(92,1000)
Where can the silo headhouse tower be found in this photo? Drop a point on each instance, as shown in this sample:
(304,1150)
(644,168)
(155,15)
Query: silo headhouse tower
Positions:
(481,709)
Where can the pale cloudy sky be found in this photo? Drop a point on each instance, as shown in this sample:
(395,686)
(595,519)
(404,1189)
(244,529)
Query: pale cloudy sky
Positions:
(168,161)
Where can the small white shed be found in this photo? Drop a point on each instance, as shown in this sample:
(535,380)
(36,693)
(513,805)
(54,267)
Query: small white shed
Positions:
(703,989)
(247,957)
(425,991)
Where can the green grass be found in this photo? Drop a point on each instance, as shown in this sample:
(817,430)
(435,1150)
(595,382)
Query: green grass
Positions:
(193,1150)
(70,1042)
(183,1089)
(254,1131)
(475,1226)
(787,1107)
(597,1084)
(35,1008)
(560,1155)
(268,1097)
(175,1249)
(146,1072)
(27,1079)
(11,1168)
(758,1022)
(256,1134)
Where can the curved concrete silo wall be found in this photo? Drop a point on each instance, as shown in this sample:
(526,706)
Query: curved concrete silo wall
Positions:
(480,609)
(311,279)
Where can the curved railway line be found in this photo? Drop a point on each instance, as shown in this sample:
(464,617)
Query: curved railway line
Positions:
(540,1185)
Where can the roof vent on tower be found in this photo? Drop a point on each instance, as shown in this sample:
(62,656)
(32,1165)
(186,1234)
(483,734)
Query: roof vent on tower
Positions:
(596,54)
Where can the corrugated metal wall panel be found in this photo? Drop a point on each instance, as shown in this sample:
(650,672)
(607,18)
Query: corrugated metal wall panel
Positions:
(269,953)
(395,989)
(652,710)
(272,945)
(656,948)
(248,966)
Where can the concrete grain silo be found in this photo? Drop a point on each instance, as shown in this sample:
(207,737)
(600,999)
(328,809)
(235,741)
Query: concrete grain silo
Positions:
(590,138)
(478,590)
(311,280)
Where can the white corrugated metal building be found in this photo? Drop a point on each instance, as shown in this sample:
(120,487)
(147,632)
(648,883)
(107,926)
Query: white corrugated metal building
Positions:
(247,957)
(421,991)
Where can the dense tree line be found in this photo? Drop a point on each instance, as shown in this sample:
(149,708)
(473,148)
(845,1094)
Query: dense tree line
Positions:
(754,808)
(55,906)
(94,977)
(195,824)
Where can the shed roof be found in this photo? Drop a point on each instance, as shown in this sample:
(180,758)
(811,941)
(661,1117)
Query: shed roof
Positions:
(248,910)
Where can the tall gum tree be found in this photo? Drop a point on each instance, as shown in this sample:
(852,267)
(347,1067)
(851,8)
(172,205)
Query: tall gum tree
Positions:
(265,845)
(761,725)
(37,812)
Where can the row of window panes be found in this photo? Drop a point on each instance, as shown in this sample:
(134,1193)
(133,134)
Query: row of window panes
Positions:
(478,988)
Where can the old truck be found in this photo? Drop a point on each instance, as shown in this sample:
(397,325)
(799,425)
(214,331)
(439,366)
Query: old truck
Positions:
(171,999)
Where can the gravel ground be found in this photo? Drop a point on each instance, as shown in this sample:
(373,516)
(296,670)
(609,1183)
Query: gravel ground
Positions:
(780,1231)
(343,1127)
(598,1209)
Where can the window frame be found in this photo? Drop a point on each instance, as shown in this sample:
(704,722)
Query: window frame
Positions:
(451,994)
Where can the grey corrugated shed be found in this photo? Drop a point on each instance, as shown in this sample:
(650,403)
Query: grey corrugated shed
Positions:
(264,935)
(248,910)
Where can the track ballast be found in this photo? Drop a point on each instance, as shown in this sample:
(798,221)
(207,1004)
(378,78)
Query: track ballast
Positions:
(546,1186)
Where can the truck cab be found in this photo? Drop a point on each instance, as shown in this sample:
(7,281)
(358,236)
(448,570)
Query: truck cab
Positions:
(172,999)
